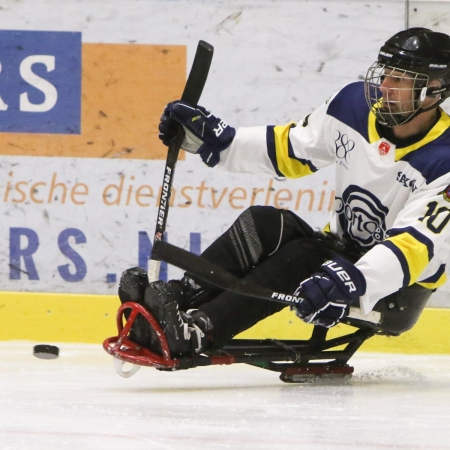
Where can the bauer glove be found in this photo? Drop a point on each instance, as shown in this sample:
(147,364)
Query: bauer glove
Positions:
(328,294)
(205,134)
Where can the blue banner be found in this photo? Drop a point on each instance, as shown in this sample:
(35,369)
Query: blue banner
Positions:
(40,82)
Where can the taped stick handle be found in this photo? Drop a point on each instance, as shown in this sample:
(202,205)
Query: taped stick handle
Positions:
(191,94)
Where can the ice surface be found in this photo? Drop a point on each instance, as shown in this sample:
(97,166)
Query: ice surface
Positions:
(79,402)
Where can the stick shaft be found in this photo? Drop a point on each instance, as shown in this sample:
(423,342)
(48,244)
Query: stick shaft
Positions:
(208,272)
(191,94)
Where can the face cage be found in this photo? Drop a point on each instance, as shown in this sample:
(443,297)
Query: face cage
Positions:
(399,104)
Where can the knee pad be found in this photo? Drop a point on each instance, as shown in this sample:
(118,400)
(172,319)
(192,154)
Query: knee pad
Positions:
(275,227)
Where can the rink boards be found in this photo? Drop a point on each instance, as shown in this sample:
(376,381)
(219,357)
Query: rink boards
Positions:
(50,317)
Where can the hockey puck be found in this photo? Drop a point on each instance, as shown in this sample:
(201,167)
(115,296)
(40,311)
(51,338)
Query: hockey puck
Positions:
(44,351)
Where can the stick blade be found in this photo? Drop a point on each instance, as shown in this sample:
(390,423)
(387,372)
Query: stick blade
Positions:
(198,73)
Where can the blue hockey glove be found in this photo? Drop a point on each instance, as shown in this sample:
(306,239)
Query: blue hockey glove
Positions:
(168,128)
(328,294)
(206,134)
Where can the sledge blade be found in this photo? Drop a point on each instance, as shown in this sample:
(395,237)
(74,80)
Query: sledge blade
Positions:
(313,373)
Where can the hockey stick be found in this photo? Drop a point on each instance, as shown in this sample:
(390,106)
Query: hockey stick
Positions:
(191,94)
(210,273)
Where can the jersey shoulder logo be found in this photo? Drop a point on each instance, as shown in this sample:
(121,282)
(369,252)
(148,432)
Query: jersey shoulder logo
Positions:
(383,148)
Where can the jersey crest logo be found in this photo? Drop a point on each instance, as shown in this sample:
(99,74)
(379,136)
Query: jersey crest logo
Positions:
(446,193)
(383,148)
(362,217)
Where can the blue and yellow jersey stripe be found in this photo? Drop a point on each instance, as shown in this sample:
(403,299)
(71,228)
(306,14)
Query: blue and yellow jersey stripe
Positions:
(429,155)
(436,280)
(436,132)
(442,125)
(281,153)
(413,250)
(372,132)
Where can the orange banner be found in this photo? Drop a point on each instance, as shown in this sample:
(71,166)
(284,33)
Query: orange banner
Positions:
(124,90)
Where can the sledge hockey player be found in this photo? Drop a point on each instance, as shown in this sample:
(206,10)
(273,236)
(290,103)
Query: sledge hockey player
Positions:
(387,241)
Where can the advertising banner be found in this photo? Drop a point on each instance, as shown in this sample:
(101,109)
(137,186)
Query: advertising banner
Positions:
(82,165)
(73,224)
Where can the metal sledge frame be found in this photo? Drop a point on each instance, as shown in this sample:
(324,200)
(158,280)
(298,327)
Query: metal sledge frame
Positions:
(295,360)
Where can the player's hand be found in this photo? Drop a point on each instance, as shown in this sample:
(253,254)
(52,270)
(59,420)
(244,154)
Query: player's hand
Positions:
(205,134)
(168,127)
(328,294)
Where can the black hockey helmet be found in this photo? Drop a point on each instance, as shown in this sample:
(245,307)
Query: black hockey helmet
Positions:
(419,50)
(419,54)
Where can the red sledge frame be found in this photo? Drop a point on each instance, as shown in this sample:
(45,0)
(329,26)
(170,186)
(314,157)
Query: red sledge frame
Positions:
(295,360)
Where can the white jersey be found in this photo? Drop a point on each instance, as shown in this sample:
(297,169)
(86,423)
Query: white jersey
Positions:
(391,202)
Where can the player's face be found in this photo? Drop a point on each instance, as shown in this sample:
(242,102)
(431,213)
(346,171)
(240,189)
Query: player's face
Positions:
(396,95)
(397,90)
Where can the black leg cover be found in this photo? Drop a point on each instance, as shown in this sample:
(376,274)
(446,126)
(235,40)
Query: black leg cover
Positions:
(283,271)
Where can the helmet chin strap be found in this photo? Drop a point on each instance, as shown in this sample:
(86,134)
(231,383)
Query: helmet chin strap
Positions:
(434,91)
(422,110)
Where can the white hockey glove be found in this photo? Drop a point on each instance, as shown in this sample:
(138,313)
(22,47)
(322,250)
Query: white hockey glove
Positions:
(205,134)
(328,294)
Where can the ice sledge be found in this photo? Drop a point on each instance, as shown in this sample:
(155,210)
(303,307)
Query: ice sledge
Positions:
(297,361)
